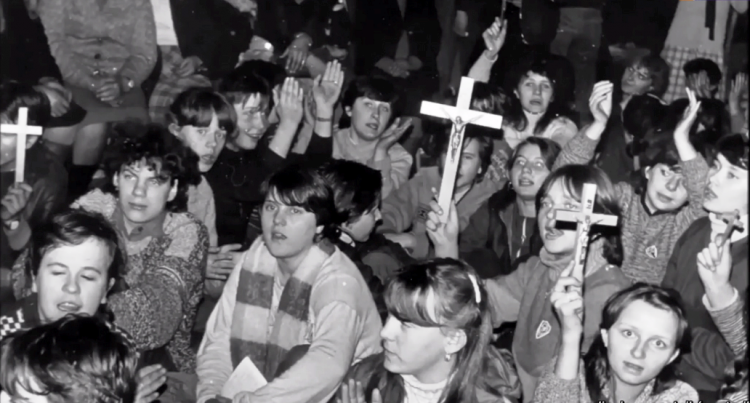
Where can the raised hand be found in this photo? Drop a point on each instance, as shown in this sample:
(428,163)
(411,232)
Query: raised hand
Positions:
(353,392)
(15,201)
(739,85)
(600,101)
(221,261)
(392,134)
(682,130)
(296,54)
(494,37)
(289,102)
(327,87)
(700,84)
(443,231)
(567,300)
(149,380)
(715,266)
(188,66)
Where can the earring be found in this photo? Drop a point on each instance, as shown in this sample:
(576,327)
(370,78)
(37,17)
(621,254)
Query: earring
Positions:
(447,357)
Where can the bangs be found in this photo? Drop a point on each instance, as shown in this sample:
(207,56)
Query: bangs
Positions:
(411,299)
(302,186)
(197,106)
(153,163)
(734,148)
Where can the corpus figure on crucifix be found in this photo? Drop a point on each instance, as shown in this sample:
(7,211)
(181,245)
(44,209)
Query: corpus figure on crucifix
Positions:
(460,115)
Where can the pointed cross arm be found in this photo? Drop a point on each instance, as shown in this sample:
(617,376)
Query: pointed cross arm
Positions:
(733,223)
(467,115)
(21,130)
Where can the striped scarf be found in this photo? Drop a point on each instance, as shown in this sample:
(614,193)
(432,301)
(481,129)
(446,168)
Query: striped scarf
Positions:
(259,333)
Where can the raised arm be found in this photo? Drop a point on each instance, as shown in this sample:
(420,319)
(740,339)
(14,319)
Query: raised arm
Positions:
(494,38)
(399,208)
(694,167)
(291,110)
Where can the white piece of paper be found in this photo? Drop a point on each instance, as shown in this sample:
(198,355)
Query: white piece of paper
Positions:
(245,378)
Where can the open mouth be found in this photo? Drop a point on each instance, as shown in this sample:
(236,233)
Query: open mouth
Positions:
(373,126)
(536,102)
(277,236)
(552,233)
(709,194)
(525,182)
(208,159)
(632,368)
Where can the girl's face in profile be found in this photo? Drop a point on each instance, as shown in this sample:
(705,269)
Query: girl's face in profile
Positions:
(557,241)
(641,343)
(726,191)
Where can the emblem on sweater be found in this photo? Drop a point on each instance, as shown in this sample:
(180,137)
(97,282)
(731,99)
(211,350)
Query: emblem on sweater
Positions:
(652,252)
(422,212)
(543,329)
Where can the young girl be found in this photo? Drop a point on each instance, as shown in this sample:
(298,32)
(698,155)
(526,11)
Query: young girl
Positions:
(503,228)
(643,331)
(726,195)
(664,200)
(436,342)
(291,288)
(406,208)
(522,295)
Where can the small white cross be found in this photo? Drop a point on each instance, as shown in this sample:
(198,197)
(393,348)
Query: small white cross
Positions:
(585,219)
(461,116)
(21,130)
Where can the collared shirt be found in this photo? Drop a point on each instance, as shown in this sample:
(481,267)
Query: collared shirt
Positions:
(153,228)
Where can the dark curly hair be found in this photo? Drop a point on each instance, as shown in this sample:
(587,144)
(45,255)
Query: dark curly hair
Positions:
(134,143)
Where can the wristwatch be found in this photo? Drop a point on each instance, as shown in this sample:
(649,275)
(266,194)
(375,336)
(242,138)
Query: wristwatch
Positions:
(11,225)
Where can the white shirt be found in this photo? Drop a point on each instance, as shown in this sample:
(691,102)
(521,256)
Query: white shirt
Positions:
(165,33)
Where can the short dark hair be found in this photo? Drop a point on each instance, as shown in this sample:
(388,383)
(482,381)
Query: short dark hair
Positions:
(356,187)
(657,147)
(472,132)
(243,81)
(572,178)
(196,107)
(76,359)
(303,185)
(658,71)
(15,95)
(734,148)
(700,64)
(133,142)
(712,115)
(375,88)
(74,227)
(642,114)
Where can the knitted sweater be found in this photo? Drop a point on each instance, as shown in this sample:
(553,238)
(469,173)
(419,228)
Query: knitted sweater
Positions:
(406,208)
(523,296)
(85,37)
(647,239)
(710,354)
(552,389)
(165,279)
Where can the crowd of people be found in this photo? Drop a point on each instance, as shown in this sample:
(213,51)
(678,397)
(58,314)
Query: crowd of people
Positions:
(236,201)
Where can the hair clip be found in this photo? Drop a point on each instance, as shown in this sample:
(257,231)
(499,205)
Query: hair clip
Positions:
(475,284)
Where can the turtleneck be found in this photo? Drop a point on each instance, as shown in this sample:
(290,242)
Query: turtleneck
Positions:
(418,392)
(718,226)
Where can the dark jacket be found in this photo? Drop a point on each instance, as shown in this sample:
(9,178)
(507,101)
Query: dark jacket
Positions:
(212,30)
(703,367)
(24,47)
(280,20)
(485,242)
(379,25)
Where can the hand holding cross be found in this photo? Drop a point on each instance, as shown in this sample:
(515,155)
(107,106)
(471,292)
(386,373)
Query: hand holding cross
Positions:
(585,219)
(21,130)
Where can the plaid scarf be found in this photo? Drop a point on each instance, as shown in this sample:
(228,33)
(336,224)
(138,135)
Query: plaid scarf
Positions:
(266,336)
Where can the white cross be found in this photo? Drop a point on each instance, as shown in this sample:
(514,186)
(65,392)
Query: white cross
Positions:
(21,130)
(585,219)
(461,116)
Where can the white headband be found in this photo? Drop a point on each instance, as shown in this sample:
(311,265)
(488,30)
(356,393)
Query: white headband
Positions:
(475,284)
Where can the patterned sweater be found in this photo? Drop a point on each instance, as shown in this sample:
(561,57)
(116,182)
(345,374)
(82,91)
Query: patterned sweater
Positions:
(85,36)
(647,239)
(165,280)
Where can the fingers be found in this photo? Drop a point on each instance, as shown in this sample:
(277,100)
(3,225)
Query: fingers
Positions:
(564,283)
(232,247)
(714,253)
(376,398)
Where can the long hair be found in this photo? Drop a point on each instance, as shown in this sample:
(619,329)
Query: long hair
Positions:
(196,107)
(441,293)
(356,187)
(549,151)
(734,148)
(655,148)
(573,178)
(547,66)
(596,365)
(76,359)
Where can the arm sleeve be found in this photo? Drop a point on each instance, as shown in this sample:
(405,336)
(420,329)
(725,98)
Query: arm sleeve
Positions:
(563,133)
(579,150)
(472,242)
(399,207)
(152,311)
(482,68)
(505,294)
(214,361)
(394,169)
(53,14)
(695,172)
(552,389)
(730,323)
(142,45)
(709,353)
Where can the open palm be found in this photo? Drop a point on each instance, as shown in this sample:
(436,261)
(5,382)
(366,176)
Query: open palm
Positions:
(327,87)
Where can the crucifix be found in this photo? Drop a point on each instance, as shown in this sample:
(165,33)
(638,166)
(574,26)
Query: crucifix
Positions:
(21,130)
(585,219)
(733,222)
(460,115)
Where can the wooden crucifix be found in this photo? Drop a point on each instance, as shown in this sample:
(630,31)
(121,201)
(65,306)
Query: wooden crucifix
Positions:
(585,219)
(461,116)
(21,130)
(733,222)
